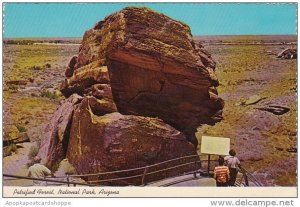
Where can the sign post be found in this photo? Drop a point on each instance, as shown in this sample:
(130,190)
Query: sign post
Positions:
(208,164)
(214,146)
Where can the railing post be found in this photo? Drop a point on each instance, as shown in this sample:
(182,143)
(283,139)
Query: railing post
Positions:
(144,176)
(200,163)
(246,180)
(68,180)
(46,181)
(195,172)
(208,165)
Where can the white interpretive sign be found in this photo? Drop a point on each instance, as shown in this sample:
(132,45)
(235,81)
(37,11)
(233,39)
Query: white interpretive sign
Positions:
(215,145)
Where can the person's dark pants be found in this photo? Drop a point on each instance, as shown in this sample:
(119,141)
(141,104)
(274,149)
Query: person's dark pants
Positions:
(232,173)
(222,184)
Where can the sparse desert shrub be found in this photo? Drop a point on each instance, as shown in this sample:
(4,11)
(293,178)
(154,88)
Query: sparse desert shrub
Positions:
(48,94)
(33,151)
(47,65)
(7,151)
(36,67)
(13,147)
(21,128)
(54,167)
(33,94)
(13,87)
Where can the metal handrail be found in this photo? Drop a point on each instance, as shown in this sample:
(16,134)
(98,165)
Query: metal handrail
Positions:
(144,174)
(246,174)
(133,169)
(176,166)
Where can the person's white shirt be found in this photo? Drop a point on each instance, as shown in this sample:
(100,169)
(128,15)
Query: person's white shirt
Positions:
(232,161)
(38,171)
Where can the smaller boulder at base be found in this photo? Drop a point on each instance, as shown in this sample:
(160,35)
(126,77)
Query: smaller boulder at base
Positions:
(56,134)
(117,142)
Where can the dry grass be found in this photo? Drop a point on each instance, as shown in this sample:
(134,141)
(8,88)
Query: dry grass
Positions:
(260,138)
(7,151)
(32,153)
(42,67)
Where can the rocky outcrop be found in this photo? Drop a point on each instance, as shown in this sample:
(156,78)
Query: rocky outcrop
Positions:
(83,79)
(288,53)
(155,69)
(146,87)
(11,133)
(101,107)
(70,69)
(115,142)
(56,138)
(56,134)
(275,109)
(13,136)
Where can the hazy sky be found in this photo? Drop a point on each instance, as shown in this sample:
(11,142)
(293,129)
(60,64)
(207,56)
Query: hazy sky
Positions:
(72,20)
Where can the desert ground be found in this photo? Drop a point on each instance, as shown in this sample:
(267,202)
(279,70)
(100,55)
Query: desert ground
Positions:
(247,67)
(252,80)
(32,74)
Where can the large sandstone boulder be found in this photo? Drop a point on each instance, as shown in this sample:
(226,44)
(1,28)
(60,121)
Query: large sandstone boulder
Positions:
(115,142)
(155,69)
(139,74)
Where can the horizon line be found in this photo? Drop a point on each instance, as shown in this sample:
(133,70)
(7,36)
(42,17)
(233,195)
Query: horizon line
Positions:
(192,36)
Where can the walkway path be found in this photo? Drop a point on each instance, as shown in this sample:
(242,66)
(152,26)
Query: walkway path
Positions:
(16,164)
(185,181)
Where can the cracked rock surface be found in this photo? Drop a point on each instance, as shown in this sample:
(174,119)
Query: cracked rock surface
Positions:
(117,142)
(155,69)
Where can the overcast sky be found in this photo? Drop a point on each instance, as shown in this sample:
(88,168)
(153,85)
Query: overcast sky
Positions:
(73,19)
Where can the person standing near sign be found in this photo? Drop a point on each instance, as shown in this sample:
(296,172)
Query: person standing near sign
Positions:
(233,163)
(221,174)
